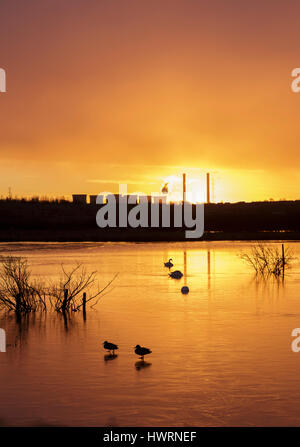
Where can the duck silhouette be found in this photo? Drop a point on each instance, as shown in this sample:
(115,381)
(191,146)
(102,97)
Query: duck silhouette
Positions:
(176,274)
(169,263)
(110,347)
(141,351)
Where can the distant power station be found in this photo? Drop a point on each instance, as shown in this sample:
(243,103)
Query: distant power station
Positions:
(183,187)
(207,188)
(81,199)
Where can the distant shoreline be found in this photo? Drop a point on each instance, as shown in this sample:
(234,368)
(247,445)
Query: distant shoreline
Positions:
(143,236)
(42,221)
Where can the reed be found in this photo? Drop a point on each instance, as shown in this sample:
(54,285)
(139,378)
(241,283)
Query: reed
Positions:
(18,292)
(268,259)
(70,293)
(21,294)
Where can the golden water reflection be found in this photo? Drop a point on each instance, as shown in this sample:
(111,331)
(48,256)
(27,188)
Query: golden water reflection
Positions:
(221,355)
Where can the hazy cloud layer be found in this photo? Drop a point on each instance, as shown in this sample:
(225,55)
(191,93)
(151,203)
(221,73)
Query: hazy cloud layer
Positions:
(172,83)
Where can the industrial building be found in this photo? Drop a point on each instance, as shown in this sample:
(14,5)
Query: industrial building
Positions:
(135,198)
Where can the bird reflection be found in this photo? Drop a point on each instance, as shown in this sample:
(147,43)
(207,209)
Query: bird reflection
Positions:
(141,364)
(109,357)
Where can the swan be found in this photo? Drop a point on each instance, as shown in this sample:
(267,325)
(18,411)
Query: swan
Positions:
(176,274)
(141,351)
(169,263)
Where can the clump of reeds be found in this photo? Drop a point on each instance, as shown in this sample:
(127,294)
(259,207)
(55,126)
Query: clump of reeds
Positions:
(70,292)
(20,293)
(17,291)
(268,259)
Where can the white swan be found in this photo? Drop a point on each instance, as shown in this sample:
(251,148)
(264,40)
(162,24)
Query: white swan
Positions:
(176,275)
(169,263)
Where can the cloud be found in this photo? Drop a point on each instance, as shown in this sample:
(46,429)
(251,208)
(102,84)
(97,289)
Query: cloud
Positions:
(147,88)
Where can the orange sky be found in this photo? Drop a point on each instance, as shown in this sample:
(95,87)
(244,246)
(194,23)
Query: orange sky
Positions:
(101,92)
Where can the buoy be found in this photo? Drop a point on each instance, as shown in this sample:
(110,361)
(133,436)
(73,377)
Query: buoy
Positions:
(185,290)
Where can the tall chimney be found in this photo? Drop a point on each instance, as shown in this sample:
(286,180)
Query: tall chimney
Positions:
(207,188)
(183,187)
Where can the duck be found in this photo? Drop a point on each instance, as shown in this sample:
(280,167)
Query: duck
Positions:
(176,274)
(169,263)
(141,351)
(110,347)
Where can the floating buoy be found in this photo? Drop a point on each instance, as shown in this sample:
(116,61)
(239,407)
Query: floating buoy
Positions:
(185,290)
